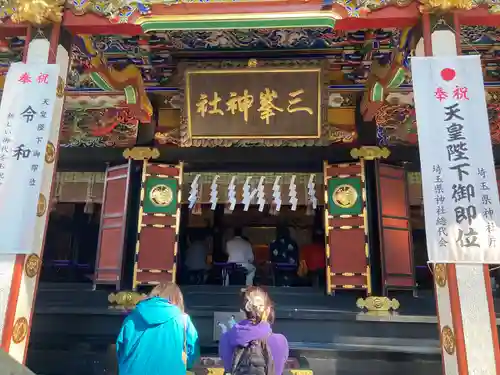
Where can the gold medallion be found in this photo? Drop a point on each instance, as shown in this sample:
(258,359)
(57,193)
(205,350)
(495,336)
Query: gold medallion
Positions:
(161,195)
(32,265)
(50,153)
(20,330)
(41,207)
(448,340)
(440,274)
(345,196)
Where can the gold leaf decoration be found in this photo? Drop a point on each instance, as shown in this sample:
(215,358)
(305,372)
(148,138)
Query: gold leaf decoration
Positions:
(20,330)
(125,300)
(448,340)
(141,153)
(440,274)
(370,153)
(38,12)
(32,265)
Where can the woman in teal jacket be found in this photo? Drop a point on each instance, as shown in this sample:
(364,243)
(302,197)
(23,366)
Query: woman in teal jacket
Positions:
(158,338)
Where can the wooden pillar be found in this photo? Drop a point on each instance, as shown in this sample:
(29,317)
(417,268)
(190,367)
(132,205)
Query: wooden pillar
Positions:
(19,273)
(464,299)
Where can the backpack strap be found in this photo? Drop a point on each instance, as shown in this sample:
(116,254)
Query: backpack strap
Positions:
(238,352)
(266,352)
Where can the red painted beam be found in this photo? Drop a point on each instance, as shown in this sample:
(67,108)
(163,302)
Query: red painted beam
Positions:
(93,24)
(9,29)
(479,16)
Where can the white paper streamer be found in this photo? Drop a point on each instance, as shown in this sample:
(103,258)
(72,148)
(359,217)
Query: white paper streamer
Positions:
(260,194)
(247,195)
(277,193)
(213,193)
(293,193)
(311,191)
(231,193)
(193,193)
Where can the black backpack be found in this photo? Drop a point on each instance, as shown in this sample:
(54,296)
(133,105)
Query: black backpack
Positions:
(253,359)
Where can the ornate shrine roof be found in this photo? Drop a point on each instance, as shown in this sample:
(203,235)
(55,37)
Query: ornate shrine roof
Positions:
(349,53)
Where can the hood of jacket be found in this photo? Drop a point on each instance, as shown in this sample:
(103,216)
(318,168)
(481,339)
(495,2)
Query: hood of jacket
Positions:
(157,310)
(244,332)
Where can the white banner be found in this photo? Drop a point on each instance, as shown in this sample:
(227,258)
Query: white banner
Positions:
(26,113)
(458,173)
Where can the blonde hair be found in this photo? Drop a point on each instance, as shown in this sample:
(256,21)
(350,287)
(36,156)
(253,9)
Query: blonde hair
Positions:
(257,305)
(169,291)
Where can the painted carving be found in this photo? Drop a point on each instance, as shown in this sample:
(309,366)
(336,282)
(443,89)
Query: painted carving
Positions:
(104,127)
(127,81)
(385,77)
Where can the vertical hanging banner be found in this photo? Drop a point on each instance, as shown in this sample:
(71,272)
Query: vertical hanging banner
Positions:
(458,173)
(26,113)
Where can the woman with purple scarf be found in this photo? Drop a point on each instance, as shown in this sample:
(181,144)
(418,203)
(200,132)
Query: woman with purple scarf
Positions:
(259,312)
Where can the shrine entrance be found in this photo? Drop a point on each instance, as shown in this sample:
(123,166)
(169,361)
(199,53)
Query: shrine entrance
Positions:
(148,228)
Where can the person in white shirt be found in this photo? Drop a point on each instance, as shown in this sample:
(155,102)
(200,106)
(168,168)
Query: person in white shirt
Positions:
(240,251)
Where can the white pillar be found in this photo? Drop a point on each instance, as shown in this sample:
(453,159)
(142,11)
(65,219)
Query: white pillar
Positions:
(18,273)
(466,315)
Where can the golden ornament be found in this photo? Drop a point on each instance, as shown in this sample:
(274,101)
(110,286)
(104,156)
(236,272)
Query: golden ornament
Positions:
(41,206)
(252,63)
(448,340)
(32,265)
(370,153)
(50,153)
(125,300)
(161,195)
(38,12)
(345,196)
(20,330)
(374,303)
(440,274)
(446,5)
(141,153)
(60,87)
